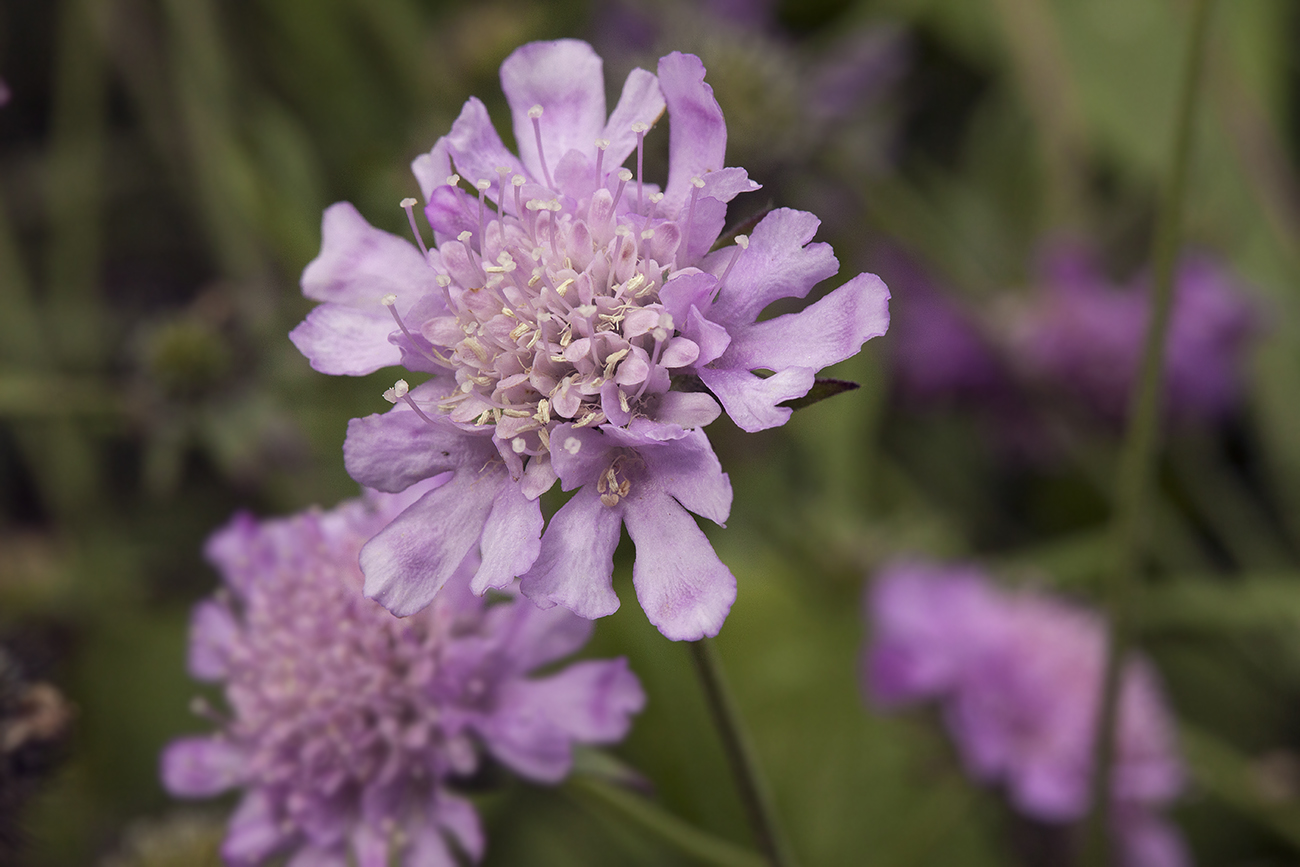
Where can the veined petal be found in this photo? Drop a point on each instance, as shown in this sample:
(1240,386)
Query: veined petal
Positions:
(752,401)
(576,565)
(686,409)
(590,701)
(358,264)
(685,589)
(824,333)
(476,148)
(201,767)
(780,263)
(253,833)
(348,341)
(697,140)
(689,471)
(431,170)
(565,78)
(512,538)
(409,560)
(213,632)
(394,450)
(725,184)
(641,102)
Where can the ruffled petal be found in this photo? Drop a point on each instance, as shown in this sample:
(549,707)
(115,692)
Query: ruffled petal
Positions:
(394,450)
(253,832)
(576,565)
(512,538)
(725,184)
(689,471)
(213,632)
(592,702)
(697,139)
(641,102)
(824,333)
(409,560)
(476,148)
(565,78)
(347,341)
(780,263)
(540,636)
(431,170)
(578,455)
(685,589)
(459,818)
(752,401)
(358,264)
(202,766)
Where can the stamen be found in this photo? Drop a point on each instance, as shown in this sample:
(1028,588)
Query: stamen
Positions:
(408,204)
(390,301)
(482,186)
(502,171)
(623,177)
(401,391)
(639,128)
(601,144)
(536,114)
(697,184)
(518,181)
(742,244)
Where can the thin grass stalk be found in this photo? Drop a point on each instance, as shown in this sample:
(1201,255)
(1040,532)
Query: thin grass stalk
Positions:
(1137,460)
(754,796)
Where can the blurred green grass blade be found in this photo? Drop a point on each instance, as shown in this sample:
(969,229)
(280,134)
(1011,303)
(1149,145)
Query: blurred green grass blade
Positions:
(689,840)
(1255,602)
(36,396)
(225,183)
(1222,772)
(21,338)
(74,195)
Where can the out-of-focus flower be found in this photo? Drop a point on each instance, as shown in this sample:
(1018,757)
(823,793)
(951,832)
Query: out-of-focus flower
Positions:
(571,309)
(347,726)
(1019,675)
(937,352)
(1082,335)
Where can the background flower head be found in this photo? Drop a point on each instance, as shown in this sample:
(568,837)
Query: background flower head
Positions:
(347,727)
(1018,676)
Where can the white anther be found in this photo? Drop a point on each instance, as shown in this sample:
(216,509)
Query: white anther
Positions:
(483,185)
(656,198)
(624,231)
(742,241)
(517,445)
(698,183)
(464,236)
(535,112)
(407,202)
(640,127)
(389,300)
(573,445)
(625,175)
(602,143)
(647,234)
(518,180)
(442,280)
(543,411)
(453,180)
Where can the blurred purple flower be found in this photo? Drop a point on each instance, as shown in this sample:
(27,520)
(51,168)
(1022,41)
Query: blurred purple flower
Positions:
(1083,336)
(569,296)
(1018,675)
(348,726)
(937,352)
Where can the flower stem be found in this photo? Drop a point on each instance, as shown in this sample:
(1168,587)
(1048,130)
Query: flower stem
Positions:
(740,755)
(1137,460)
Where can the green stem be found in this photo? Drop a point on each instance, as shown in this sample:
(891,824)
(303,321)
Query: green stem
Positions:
(740,755)
(1137,461)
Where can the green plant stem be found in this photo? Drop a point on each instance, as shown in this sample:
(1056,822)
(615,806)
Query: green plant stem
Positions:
(740,755)
(1137,461)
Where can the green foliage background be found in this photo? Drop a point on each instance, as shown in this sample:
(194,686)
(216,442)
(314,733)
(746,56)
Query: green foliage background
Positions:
(163,168)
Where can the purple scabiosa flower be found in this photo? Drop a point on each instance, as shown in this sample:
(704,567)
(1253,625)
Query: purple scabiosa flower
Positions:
(1083,336)
(1018,676)
(347,726)
(570,303)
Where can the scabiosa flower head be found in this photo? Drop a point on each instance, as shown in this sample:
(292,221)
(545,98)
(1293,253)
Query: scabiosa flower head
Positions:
(1083,336)
(347,726)
(1019,675)
(572,308)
